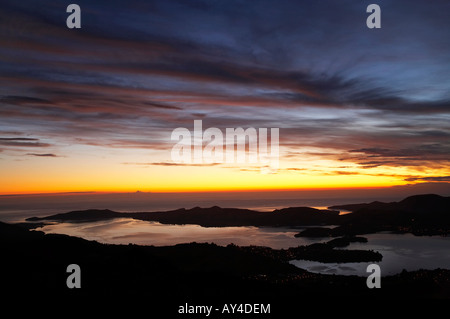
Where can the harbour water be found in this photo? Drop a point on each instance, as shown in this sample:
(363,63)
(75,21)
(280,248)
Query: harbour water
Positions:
(400,251)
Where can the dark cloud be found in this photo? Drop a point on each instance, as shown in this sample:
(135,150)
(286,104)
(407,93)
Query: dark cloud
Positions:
(17,100)
(422,150)
(421,154)
(18,139)
(42,155)
(429,179)
(22,142)
(162,106)
(344,173)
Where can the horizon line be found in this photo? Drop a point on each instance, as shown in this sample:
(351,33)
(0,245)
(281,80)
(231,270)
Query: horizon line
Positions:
(94,192)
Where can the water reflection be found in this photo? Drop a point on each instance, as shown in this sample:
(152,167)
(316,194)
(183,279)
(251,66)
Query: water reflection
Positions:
(400,251)
(125,230)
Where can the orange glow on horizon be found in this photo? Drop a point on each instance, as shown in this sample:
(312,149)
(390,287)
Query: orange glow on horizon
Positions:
(197,190)
(111,173)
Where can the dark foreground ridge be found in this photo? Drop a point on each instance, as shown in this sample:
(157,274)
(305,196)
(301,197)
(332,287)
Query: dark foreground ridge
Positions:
(34,264)
(420,215)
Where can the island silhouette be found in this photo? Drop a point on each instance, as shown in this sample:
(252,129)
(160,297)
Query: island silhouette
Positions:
(420,214)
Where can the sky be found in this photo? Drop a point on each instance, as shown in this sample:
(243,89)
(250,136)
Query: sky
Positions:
(93,109)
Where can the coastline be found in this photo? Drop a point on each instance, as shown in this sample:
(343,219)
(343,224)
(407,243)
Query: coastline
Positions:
(36,262)
(217,271)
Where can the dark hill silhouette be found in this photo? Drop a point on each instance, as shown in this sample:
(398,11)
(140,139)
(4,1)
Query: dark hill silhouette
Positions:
(416,203)
(426,206)
(211,217)
(426,203)
(81,215)
(420,214)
